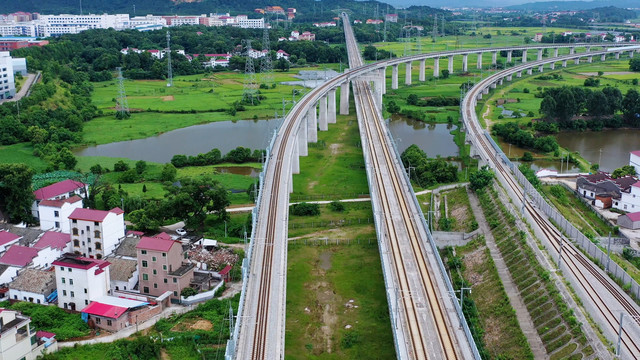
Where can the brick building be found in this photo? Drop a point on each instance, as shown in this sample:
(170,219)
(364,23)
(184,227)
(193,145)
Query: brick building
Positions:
(162,266)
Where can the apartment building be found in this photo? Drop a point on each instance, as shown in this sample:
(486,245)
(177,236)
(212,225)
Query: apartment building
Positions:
(80,281)
(96,233)
(17,341)
(163,267)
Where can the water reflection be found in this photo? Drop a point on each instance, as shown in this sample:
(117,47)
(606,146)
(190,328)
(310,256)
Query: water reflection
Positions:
(614,144)
(435,139)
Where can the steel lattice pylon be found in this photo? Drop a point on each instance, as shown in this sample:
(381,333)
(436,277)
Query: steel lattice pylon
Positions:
(122,106)
(250,89)
(169,70)
(266,63)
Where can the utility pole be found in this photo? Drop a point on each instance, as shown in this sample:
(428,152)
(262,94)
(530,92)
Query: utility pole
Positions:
(169,70)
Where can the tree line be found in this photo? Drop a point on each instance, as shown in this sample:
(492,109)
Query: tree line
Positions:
(425,171)
(238,155)
(513,134)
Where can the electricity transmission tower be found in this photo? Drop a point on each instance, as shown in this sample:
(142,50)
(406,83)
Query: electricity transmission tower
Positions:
(384,35)
(266,65)
(122,106)
(250,88)
(434,35)
(169,70)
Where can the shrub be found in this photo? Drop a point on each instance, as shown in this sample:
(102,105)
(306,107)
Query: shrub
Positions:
(305,209)
(120,166)
(336,206)
(188,291)
(527,156)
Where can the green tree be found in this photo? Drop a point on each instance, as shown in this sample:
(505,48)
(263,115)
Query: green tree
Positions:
(634,64)
(412,99)
(283,64)
(305,209)
(16,195)
(141,166)
(623,171)
(120,166)
(631,106)
(481,178)
(169,172)
(527,156)
(129,176)
(548,106)
(445,73)
(196,198)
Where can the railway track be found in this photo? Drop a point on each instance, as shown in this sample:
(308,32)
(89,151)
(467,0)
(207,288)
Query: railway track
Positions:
(575,262)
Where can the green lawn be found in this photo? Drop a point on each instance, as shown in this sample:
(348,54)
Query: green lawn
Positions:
(321,281)
(356,217)
(21,153)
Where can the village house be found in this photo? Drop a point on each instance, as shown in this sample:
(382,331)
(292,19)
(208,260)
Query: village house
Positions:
(55,240)
(17,341)
(58,191)
(80,280)
(116,313)
(600,186)
(96,233)
(54,214)
(123,274)
(162,266)
(7,239)
(280,54)
(629,198)
(634,160)
(34,285)
(24,256)
(630,220)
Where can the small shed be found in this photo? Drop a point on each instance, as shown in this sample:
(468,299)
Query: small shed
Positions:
(225,273)
(603,201)
(630,220)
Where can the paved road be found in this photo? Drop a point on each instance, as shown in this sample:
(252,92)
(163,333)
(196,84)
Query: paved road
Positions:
(23,90)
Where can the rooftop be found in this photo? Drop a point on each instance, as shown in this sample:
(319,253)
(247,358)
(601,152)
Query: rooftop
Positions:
(7,237)
(156,243)
(185,268)
(45,334)
(100,309)
(121,269)
(625,182)
(92,214)
(19,255)
(635,216)
(53,239)
(60,203)
(34,280)
(79,262)
(636,153)
(127,247)
(57,189)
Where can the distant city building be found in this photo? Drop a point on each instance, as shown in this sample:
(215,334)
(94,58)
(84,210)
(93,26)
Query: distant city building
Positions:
(325,24)
(391,18)
(7,81)
(13,43)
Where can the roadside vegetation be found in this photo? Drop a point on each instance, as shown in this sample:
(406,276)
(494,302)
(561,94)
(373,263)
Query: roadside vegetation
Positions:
(455,213)
(52,319)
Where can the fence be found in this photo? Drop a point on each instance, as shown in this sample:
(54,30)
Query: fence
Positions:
(329,224)
(207,295)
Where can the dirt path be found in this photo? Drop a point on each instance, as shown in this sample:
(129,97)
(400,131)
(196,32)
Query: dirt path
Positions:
(522,314)
(485,116)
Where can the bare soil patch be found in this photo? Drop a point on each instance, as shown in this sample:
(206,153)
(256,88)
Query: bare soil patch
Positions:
(168,98)
(335,148)
(193,324)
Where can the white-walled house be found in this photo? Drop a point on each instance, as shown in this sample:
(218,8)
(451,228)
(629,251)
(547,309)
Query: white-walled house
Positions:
(24,256)
(33,285)
(54,214)
(17,341)
(54,239)
(80,281)
(8,273)
(7,239)
(282,54)
(630,201)
(123,273)
(96,233)
(58,191)
(634,160)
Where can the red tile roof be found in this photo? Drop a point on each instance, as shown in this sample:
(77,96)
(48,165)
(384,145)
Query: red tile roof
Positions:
(59,203)
(636,153)
(92,214)
(45,334)
(79,262)
(19,255)
(100,309)
(57,189)
(636,184)
(634,216)
(164,236)
(53,239)
(7,237)
(226,270)
(155,243)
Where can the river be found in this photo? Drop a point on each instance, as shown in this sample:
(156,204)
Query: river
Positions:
(614,144)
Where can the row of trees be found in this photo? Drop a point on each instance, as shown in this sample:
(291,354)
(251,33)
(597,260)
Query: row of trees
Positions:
(238,155)
(563,103)
(513,134)
(425,171)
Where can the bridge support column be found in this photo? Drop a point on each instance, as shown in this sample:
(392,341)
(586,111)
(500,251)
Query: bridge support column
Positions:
(529,71)
(436,67)
(312,124)
(344,98)
(394,77)
(494,58)
(501,81)
(631,54)
(465,62)
(519,74)
(479,97)
(303,149)
(617,56)
(564,63)
(322,121)
(576,61)
(552,66)
(379,89)
(423,76)
(450,67)
(407,75)
(479,62)
(493,85)
(572,50)
(603,57)
(588,49)
(509,55)
(290,182)
(541,68)
(539,54)
(590,59)
(524,56)
(555,52)
(295,159)
(509,77)
(331,110)
(383,80)
(485,91)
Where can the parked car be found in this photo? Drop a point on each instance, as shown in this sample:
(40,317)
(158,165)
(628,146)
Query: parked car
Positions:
(181,231)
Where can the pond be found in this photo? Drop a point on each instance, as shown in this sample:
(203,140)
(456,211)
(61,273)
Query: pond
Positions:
(513,151)
(434,139)
(614,144)
(192,140)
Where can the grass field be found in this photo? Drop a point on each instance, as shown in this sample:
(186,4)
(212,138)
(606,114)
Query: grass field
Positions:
(336,304)
(21,153)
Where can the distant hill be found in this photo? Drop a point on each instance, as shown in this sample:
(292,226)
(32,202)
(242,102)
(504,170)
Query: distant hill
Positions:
(575,5)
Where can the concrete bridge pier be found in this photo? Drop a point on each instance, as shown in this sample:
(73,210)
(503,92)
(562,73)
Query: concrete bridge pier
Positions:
(295,159)
(524,56)
(617,56)
(564,63)
(312,124)
(576,61)
(509,55)
(436,67)
(555,52)
(485,91)
(501,81)
(331,98)
(479,96)
(407,75)
(603,57)
(303,149)
(541,68)
(323,119)
(383,80)
(631,54)
(394,77)
(529,71)
(465,62)
(479,63)
(423,75)
(552,66)
(588,49)
(539,54)
(494,58)
(590,59)
(344,98)
(290,181)
(519,74)
(450,67)
(378,88)
(509,77)
(493,85)
(572,50)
